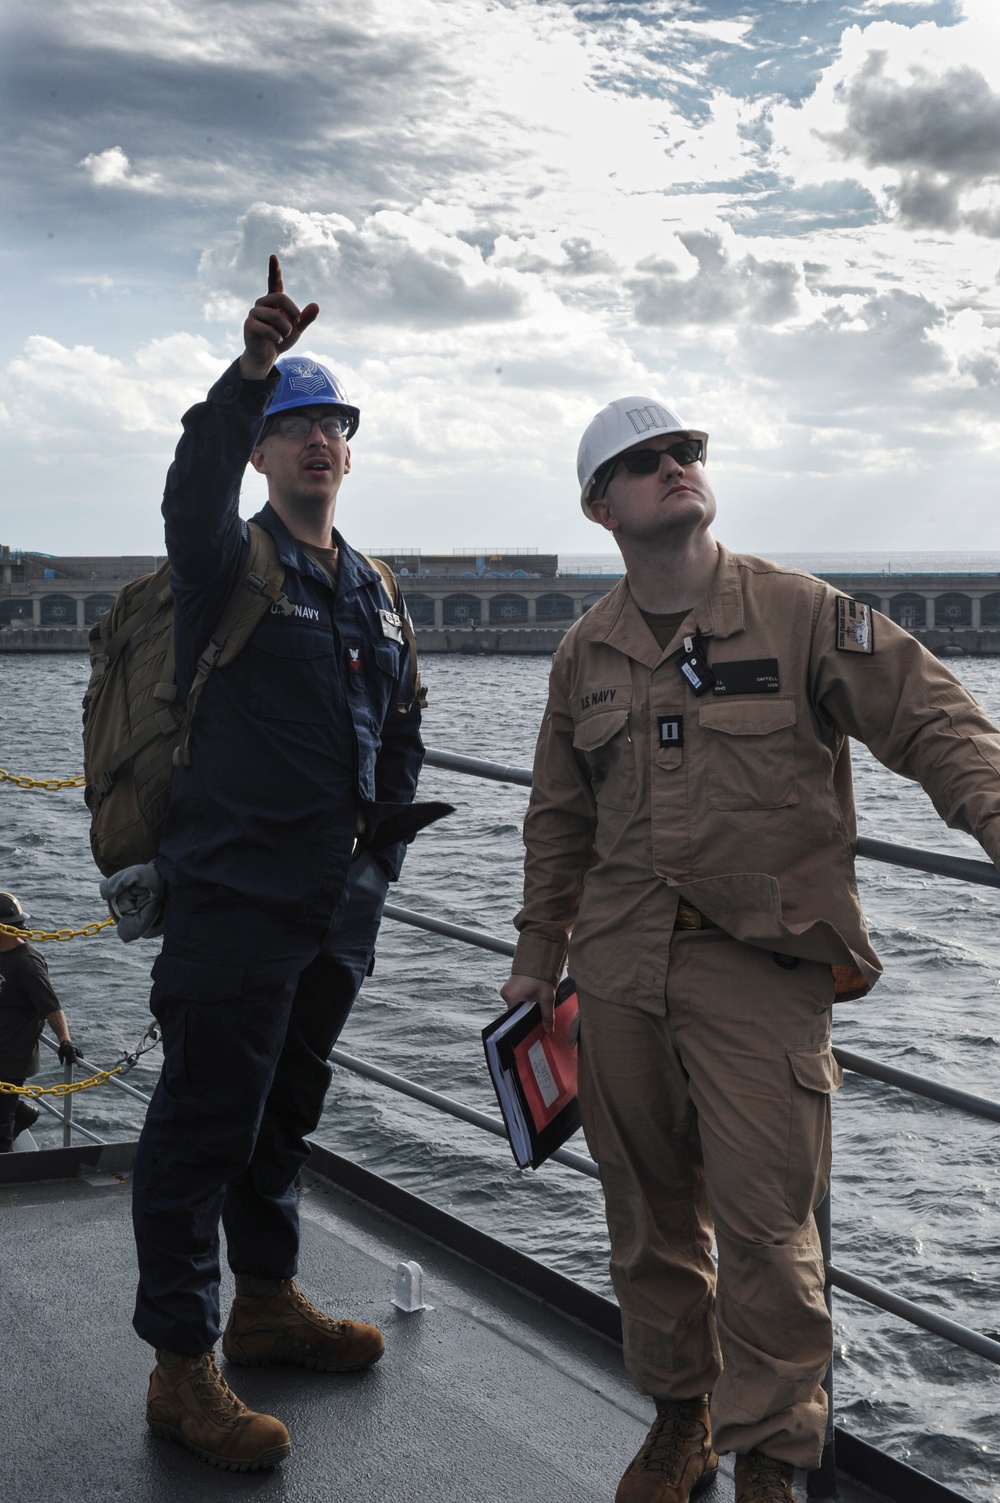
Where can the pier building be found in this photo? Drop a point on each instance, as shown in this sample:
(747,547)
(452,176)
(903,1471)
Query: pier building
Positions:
(486,599)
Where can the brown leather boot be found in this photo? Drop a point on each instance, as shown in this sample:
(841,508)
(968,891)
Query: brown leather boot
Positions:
(189,1401)
(675,1458)
(763,1479)
(284,1326)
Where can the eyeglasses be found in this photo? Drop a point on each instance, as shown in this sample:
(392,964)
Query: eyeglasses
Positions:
(647,461)
(300,425)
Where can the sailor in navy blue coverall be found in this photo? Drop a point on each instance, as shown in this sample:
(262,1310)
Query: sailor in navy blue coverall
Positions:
(299,747)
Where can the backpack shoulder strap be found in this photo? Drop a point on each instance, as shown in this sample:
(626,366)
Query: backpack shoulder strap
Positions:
(259,590)
(390,584)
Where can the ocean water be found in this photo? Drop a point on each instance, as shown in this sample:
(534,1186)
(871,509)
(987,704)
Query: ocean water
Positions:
(916,1191)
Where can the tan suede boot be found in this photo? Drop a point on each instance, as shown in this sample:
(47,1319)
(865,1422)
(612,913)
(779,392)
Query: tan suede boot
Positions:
(675,1458)
(763,1479)
(283,1326)
(189,1401)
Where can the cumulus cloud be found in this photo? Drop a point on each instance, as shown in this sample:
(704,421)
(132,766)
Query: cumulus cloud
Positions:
(112,169)
(51,388)
(724,289)
(916,112)
(501,206)
(392,268)
(941,132)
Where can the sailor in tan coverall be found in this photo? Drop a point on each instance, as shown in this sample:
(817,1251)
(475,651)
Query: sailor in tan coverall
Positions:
(690,839)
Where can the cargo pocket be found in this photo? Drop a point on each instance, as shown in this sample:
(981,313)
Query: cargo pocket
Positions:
(196,981)
(751,754)
(604,742)
(815,1076)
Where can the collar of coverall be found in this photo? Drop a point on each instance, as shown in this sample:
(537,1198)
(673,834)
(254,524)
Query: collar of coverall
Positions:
(618,621)
(353,572)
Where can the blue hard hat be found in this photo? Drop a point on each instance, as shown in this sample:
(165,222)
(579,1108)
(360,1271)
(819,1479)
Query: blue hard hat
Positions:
(306,383)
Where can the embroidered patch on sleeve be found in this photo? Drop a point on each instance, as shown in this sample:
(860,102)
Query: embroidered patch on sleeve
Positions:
(855,628)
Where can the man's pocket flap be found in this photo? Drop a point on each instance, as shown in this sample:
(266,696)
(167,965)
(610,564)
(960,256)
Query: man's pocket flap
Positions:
(598,728)
(747,717)
(815,1072)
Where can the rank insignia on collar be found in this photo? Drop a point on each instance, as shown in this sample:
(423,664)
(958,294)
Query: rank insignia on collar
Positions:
(855,628)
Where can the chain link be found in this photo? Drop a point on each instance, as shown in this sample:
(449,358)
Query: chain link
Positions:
(50,785)
(148,1041)
(40,935)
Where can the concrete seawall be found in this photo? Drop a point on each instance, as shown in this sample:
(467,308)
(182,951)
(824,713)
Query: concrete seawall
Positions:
(491,641)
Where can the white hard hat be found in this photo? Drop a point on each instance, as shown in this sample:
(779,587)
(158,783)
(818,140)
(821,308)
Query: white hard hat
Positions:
(616,428)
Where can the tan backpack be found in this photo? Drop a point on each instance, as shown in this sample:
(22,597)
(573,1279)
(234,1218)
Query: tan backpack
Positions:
(135,729)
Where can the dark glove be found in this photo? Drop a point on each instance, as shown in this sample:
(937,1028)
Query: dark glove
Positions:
(69,1052)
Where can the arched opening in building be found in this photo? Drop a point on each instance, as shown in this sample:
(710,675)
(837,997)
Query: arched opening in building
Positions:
(506,609)
(58,610)
(953,610)
(990,610)
(554,608)
(909,611)
(94,607)
(421,609)
(461,610)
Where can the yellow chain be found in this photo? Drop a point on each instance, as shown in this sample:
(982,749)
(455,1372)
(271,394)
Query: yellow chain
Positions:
(60,934)
(20,780)
(6,1089)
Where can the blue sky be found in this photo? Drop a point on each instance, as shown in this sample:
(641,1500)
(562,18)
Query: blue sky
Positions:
(783,217)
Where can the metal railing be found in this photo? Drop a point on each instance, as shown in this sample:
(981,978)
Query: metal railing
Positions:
(940,864)
(958,868)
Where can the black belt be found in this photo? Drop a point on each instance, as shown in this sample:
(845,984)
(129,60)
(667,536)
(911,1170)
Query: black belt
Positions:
(690,918)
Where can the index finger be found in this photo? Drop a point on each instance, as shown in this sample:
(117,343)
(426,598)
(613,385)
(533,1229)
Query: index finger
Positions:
(274,282)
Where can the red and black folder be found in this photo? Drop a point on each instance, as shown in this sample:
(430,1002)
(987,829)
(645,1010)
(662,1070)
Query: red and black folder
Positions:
(534,1076)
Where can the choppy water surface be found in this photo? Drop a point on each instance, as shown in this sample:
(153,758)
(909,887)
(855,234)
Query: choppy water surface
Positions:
(916,1185)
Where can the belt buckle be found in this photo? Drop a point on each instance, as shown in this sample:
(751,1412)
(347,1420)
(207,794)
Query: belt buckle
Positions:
(687,917)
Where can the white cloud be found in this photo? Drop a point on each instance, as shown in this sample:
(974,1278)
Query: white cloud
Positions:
(727,287)
(915,112)
(508,211)
(56,393)
(112,169)
(393,267)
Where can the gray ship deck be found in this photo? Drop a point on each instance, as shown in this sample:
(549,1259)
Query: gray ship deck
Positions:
(490,1396)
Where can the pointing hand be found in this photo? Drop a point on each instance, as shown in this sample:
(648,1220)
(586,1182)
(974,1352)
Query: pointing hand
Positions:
(272,326)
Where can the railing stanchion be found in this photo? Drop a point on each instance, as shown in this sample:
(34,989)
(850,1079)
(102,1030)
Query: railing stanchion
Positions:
(67,1111)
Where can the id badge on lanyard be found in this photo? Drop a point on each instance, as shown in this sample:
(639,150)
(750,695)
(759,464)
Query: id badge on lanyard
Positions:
(692,663)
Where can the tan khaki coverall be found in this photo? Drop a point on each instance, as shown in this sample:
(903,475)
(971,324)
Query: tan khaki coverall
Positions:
(706,1071)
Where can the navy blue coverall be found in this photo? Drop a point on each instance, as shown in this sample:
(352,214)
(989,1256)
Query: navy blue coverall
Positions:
(269,924)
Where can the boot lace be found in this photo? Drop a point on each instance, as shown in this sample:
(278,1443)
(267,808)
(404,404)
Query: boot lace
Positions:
(217,1398)
(766,1480)
(308,1309)
(674,1435)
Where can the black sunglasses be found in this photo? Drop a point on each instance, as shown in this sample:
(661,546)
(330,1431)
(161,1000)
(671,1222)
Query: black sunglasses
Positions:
(647,461)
